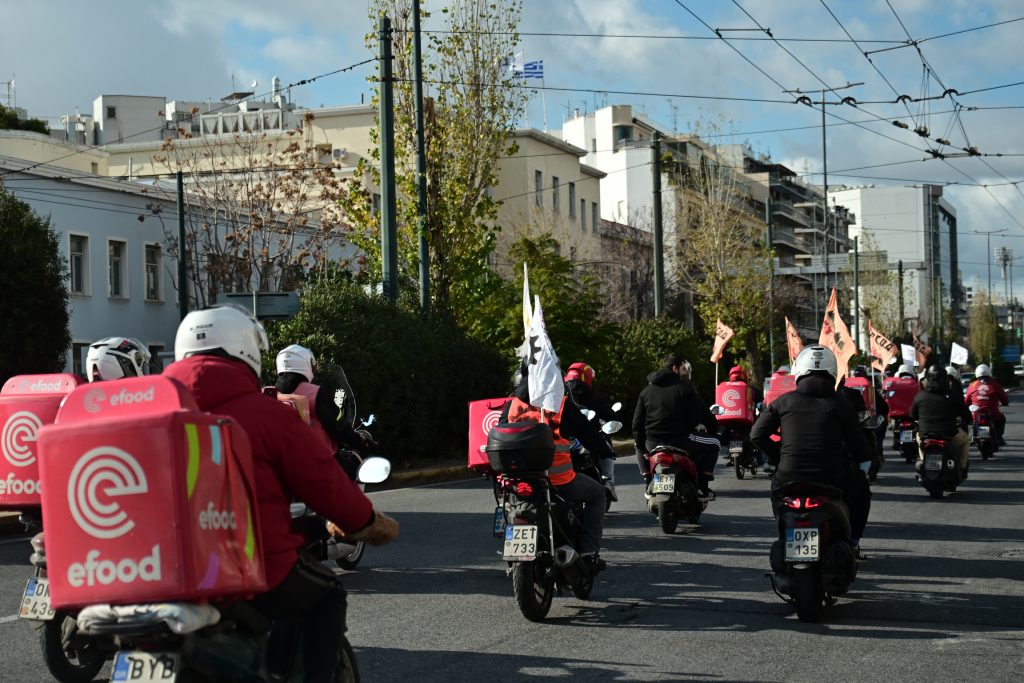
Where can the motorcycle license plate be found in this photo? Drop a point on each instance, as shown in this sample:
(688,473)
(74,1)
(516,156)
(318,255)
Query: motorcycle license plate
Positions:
(906,436)
(145,667)
(984,431)
(663,483)
(35,603)
(933,461)
(801,544)
(735,446)
(520,543)
(499,520)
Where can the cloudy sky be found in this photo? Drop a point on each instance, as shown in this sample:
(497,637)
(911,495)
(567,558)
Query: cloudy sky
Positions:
(62,55)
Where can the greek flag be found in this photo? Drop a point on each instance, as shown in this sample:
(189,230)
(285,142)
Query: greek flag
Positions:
(532,70)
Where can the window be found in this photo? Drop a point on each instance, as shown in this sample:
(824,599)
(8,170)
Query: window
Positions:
(111,112)
(156,363)
(538,188)
(117,285)
(94,167)
(572,200)
(593,144)
(583,215)
(153,272)
(78,256)
(78,353)
(554,193)
(595,217)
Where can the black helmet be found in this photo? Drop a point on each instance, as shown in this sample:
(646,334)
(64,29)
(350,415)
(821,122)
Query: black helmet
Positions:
(860,371)
(935,378)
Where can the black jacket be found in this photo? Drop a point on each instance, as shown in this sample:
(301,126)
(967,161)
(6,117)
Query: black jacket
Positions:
(574,424)
(821,436)
(669,409)
(936,413)
(340,431)
(586,397)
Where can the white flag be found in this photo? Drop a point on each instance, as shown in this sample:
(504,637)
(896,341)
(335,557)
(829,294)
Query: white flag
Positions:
(544,376)
(909,354)
(958,355)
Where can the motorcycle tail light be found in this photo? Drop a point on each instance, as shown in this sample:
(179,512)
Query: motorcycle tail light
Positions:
(520,520)
(524,489)
(814,501)
(792,502)
(664,459)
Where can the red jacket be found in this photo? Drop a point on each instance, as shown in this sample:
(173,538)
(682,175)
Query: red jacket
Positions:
(988,394)
(289,461)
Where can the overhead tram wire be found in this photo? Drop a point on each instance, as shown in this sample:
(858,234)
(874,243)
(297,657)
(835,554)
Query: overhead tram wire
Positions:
(304,81)
(641,36)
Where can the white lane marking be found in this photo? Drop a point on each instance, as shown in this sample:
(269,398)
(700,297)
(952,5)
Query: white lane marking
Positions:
(7,620)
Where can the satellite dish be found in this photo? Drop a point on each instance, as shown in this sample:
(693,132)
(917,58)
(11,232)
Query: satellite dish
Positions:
(254,84)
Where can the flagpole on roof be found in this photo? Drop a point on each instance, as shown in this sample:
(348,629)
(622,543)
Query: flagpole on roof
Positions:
(544,103)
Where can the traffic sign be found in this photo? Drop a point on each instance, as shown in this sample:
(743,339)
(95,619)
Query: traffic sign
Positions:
(265,305)
(1011,354)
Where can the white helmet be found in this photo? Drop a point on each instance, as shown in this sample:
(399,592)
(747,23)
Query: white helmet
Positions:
(815,358)
(296,359)
(116,357)
(952,372)
(228,329)
(907,370)
(983,371)
(783,369)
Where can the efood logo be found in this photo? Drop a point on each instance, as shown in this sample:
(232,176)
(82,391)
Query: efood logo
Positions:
(98,478)
(730,398)
(94,399)
(19,433)
(490,419)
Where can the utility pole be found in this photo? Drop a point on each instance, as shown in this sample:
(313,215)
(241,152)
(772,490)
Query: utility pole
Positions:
(182,256)
(900,271)
(421,164)
(388,209)
(771,280)
(659,264)
(856,292)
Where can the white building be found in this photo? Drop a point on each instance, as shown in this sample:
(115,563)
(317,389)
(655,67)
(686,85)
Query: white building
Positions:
(916,226)
(121,280)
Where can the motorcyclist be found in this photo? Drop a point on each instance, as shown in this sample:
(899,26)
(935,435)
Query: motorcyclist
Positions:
(892,367)
(940,414)
(881,407)
(670,412)
(988,394)
(566,424)
(822,440)
(955,385)
(295,367)
(738,373)
(579,382)
(907,370)
(217,353)
(116,357)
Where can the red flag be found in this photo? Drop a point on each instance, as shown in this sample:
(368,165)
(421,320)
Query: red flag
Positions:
(723,333)
(836,336)
(881,348)
(793,339)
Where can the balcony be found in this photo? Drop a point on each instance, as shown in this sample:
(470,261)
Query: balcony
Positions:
(786,236)
(792,213)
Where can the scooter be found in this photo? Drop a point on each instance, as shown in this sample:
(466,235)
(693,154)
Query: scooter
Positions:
(938,470)
(904,432)
(982,436)
(673,488)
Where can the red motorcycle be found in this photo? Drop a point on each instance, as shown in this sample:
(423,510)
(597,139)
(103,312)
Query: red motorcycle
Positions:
(672,492)
(983,435)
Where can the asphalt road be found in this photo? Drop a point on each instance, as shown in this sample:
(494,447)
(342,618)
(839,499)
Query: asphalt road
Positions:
(940,598)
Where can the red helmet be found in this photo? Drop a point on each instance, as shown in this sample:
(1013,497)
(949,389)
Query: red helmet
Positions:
(737,374)
(580,371)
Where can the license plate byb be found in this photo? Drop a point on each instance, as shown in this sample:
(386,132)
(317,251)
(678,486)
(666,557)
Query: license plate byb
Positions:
(906,436)
(145,667)
(663,483)
(801,544)
(520,543)
(984,431)
(35,603)
(933,461)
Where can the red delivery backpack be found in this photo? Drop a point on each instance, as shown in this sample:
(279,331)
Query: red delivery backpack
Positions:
(864,386)
(899,394)
(736,401)
(779,385)
(27,402)
(147,499)
(483,415)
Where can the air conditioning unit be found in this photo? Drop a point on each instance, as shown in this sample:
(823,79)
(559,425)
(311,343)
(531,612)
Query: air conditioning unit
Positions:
(339,152)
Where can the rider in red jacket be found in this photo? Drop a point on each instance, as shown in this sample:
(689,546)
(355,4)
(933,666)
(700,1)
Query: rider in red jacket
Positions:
(218,359)
(988,394)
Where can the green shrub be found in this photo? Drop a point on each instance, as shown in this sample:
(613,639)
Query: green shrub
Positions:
(416,376)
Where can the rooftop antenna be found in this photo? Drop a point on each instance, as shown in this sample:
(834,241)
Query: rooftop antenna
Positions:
(675,115)
(10,98)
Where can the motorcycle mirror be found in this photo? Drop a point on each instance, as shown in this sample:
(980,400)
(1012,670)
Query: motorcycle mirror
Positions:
(973,409)
(617,406)
(611,426)
(590,414)
(370,420)
(717,410)
(374,470)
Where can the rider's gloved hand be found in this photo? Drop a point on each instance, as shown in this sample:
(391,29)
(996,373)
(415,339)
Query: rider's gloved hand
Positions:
(383,530)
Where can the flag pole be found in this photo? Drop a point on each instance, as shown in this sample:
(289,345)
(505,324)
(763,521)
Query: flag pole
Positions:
(544,103)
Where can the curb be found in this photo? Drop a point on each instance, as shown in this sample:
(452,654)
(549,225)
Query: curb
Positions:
(9,524)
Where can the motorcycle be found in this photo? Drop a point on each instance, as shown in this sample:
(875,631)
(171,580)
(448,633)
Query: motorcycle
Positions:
(538,527)
(982,436)
(938,470)
(870,424)
(194,641)
(742,454)
(673,488)
(904,433)
(812,560)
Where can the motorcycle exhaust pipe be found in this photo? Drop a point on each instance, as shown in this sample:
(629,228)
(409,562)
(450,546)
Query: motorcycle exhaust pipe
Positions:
(565,555)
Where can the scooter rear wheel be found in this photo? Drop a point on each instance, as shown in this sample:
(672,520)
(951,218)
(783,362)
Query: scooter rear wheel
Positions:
(738,466)
(533,591)
(668,518)
(808,596)
(69,660)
